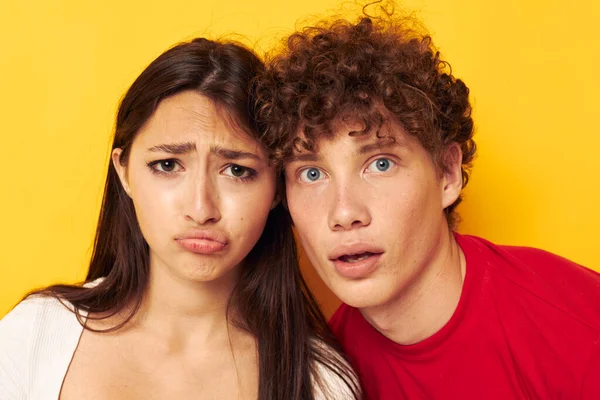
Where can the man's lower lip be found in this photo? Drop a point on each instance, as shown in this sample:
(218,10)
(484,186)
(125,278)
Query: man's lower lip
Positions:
(359,269)
(201,246)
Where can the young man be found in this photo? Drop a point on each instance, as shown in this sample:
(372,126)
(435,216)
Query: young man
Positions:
(376,139)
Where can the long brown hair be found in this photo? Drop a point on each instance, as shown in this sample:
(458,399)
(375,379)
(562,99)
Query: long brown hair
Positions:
(271,297)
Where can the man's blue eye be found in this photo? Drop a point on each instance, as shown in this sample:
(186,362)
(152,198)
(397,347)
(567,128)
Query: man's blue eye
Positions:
(380,165)
(310,175)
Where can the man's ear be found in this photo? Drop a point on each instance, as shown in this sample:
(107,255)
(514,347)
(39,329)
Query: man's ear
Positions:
(452,179)
(121,169)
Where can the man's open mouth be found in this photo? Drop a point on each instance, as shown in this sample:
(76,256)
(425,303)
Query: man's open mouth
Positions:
(352,258)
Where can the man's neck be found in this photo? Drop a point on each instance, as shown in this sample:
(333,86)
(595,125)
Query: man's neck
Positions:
(428,303)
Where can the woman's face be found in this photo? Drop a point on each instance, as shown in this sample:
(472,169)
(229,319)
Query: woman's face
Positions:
(202,189)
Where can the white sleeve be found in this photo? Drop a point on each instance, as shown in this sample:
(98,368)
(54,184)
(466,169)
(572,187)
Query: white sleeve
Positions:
(328,385)
(16,331)
(332,387)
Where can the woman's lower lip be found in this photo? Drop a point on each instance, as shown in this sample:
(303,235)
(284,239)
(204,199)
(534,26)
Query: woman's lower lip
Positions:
(359,269)
(201,246)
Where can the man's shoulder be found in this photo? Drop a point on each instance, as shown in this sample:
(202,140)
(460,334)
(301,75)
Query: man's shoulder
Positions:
(534,258)
(538,276)
(549,308)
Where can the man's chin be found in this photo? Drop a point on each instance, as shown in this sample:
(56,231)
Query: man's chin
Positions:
(359,294)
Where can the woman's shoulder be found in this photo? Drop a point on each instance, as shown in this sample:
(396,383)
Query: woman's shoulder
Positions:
(31,335)
(38,312)
(334,378)
(31,314)
(40,320)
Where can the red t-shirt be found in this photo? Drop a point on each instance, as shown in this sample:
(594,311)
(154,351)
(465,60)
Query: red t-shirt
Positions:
(527,326)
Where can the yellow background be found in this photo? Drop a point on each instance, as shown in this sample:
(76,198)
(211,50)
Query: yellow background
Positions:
(532,67)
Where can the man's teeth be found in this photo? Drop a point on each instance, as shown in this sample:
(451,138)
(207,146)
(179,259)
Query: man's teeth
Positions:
(355,257)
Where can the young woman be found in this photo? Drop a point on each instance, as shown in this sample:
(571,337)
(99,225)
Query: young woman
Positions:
(193,289)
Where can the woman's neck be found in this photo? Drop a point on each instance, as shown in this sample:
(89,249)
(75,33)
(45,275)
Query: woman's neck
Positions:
(184,310)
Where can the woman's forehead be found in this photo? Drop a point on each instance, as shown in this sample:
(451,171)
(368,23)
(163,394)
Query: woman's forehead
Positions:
(189,117)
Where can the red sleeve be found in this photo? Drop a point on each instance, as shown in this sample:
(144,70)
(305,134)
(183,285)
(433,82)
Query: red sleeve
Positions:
(591,381)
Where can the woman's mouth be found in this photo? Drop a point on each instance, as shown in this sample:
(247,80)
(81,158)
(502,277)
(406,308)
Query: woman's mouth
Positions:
(203,241)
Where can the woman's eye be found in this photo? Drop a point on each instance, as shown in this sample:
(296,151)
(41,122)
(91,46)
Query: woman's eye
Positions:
(380,165)
(237,171)
(310,175)
(169,165)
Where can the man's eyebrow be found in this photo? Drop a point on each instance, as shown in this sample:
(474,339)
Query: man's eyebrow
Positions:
(233,154)
(174,148)
(379,145)
(308,156)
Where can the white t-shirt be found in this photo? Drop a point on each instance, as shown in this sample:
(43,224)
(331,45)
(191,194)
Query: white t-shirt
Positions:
(38,339)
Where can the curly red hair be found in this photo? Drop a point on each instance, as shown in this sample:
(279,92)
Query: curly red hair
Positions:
(366,71)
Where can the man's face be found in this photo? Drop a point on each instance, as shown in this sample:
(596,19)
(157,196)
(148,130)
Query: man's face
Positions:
(369,212)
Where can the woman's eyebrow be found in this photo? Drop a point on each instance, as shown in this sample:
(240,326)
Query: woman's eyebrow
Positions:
(187,147)
(174,148)
(233,154)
